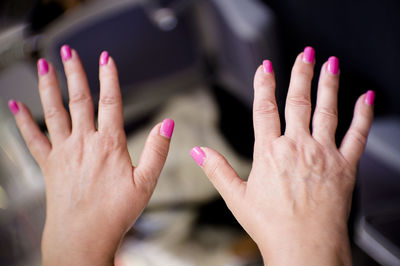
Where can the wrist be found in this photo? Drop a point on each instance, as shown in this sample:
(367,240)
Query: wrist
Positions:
(61,246)
(72,256)
(303,254)
(307,247)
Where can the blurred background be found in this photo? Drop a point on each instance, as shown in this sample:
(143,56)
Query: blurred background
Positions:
(194,61)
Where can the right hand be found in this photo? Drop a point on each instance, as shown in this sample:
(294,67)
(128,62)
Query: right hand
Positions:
(296,201)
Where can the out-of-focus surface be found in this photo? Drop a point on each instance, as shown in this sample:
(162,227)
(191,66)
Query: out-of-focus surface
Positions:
(182,181)
(193,61)
(378,229)
(168,68)
(21,198)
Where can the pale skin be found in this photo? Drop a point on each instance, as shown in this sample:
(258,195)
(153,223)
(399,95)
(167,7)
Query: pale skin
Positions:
(294,205)
(296,201)
(93,192)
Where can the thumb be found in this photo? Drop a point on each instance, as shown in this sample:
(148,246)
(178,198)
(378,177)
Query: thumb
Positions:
(221,174)
(154,154)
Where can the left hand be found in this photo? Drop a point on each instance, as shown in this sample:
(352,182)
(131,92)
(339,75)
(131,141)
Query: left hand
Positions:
(93,193)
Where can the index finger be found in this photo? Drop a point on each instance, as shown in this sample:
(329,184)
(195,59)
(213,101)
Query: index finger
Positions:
(265,112)
(110,115)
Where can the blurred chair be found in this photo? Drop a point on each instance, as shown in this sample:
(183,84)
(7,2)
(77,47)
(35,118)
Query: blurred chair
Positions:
(155,48)
(161,46)
(237,36)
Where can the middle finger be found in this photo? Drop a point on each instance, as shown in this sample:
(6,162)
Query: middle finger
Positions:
(80,100)
(298,101)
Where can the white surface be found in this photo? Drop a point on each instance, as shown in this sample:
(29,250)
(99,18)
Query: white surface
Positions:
(19,82)
(196,116)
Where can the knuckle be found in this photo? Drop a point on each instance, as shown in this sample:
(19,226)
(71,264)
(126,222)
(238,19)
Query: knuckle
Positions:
(329,82)
(159,150)
(112,142)
(52,113)
(74,76)
(267,107)
(34,145)
(107,100)
(363,113)
(299,101)
(47,85)
(214,167)
(146,180)
(79,98)
(328,112)
(110,77)
(264,82)
(358,137)
(31,142)
(302,70)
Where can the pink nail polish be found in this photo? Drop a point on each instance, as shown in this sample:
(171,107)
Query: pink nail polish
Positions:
(167,128)
(308,54)
(42,66)
(198,155)
(267,66)
(13,106)
(333,65)
(103,58)
(66,52)
(370,97)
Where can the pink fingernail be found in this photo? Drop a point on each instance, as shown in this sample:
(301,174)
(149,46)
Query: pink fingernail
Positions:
(167,128)
(308,54)
(370,97)
(13,106)
(333,65)
(198,155)
(104,58)
(42,66)
(66,52)
(267,66)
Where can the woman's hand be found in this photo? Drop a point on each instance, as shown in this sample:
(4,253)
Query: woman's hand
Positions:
(296,201)
(93,192)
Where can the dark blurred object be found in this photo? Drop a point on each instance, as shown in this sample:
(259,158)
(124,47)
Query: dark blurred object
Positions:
(237,36)
(378,218)
(154,47)
(360,258)
(159,45)
(231,110)
(363,34)
(162,46)
(14,12)
(35,13)
(44,13)
(21,23)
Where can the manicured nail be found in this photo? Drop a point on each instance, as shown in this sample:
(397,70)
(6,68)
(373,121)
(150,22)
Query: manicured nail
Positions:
(104,58)
(333,65)
(13,106)
(370,97)
(308,54)
(167,128)
(42,66)
(267,66)
(66,52)
(198,155)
